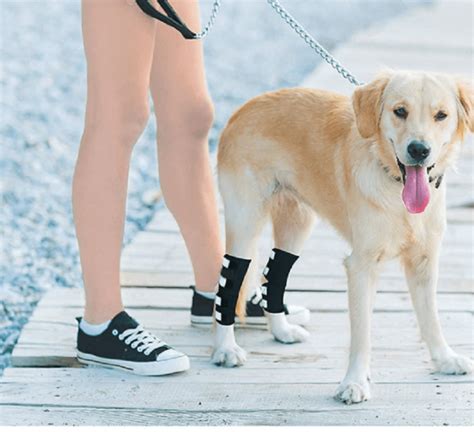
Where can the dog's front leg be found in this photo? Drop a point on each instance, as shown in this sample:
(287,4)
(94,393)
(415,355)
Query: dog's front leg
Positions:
(361,275)
(421,269)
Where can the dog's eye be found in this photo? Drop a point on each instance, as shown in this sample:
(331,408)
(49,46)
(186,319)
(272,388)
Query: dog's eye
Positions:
(401,113)
(440,115)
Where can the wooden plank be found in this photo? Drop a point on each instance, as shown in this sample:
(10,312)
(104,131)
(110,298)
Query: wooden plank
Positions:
(195,397)
(162,246)
(262,357)
(163,298)
(323,338)
(26,415)
(456,234)
(418,31)
(178,316)
(183,279)
(77,416)
(319,302)
(203,372)
(456,265)
(198,342)
(461,215)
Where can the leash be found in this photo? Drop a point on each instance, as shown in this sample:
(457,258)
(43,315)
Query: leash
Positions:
(313,43)
(172,19)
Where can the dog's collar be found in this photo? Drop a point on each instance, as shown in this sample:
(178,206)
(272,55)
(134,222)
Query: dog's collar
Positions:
(436,179)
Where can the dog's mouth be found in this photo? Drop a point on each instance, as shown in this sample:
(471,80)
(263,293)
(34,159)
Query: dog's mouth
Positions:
(416,190)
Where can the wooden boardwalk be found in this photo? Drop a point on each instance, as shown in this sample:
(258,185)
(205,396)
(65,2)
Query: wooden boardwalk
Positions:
(280,384)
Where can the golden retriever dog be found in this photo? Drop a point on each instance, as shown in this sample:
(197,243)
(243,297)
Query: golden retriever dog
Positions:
(373,166)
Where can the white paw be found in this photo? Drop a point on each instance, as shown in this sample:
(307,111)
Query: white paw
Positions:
(226,351)
(229,356)
(454,364)
(290,334)
(285,332)
(353,391)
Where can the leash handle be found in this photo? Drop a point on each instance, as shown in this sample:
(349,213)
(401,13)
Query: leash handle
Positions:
(171,18)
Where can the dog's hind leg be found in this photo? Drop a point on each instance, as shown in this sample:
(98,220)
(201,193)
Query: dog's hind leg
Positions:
(292,223)
(245,215)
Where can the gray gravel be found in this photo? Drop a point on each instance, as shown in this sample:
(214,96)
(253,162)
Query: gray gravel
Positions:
(42,98)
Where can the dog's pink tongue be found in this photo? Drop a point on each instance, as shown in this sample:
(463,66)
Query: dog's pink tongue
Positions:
(416,193)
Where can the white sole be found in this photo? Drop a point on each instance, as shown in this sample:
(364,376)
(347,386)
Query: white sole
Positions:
(156,368)
(300,318)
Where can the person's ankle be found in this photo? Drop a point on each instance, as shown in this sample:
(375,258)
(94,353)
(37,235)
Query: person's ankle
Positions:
(207,288)
(100,315)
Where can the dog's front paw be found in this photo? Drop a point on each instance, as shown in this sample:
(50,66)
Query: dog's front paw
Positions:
(229,356)
(353,391)
(285,332)
(454,364)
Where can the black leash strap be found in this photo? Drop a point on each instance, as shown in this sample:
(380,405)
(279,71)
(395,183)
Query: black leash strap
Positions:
(171,18)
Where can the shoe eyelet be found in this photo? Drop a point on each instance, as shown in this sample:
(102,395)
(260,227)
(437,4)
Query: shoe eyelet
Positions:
(139,349)
(134,345)
(115,332)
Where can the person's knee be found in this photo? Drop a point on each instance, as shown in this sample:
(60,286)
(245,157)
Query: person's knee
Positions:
(193,119)
(201,118)
(121,120)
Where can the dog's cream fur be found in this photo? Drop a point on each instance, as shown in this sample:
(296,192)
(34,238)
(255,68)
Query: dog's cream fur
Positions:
(296,153)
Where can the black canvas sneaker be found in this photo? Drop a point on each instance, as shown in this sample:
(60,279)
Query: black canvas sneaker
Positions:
(126,345)
(202,310)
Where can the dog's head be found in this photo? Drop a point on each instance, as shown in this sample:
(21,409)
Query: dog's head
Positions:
(415,120)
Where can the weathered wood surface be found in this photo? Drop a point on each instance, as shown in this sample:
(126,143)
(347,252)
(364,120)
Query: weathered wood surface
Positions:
(48,338)
(337,416)
(280,384)
(122,402)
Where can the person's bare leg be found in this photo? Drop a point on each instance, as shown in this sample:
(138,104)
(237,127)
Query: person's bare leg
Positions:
(118,41)
(184,115)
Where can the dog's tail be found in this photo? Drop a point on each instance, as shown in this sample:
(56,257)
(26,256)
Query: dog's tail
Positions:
(250,281)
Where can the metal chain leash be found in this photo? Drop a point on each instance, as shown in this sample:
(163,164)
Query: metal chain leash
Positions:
(215,10)
(299,30)
(314,45)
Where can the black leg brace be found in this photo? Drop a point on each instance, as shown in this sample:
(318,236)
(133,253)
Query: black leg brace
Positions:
(232,275)
(276,272)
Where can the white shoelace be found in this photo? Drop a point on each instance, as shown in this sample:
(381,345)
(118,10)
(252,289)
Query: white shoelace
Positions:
(141,340)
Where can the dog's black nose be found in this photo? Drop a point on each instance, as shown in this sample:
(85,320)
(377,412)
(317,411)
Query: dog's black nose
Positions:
(418,150)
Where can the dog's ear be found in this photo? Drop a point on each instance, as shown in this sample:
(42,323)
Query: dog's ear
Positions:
(466,103)
(367,105)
